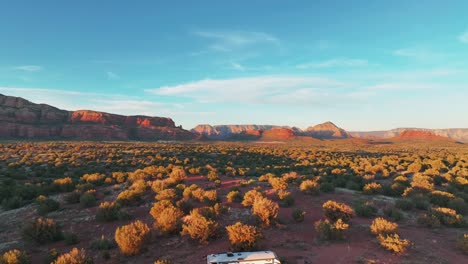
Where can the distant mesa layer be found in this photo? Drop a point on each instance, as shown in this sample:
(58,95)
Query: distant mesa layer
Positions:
(419,135)
(326,130)
(457,134)
(20,118)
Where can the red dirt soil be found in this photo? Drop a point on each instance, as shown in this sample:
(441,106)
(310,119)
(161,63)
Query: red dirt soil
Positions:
(293,242)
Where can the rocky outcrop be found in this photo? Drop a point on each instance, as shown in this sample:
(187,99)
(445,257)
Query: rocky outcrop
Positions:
(327,130)
(226,132)
(457,134)
(419,135)
(20,118)
(278,134)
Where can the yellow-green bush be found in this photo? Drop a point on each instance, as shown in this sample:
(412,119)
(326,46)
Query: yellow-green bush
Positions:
(393,243)
(199,227)
(335,210)
(75,256)
(266,210)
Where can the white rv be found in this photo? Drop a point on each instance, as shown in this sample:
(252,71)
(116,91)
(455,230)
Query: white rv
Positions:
(259,257)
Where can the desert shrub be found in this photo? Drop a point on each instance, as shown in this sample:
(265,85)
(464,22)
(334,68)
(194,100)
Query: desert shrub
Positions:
(243,237)
(459,205)
(448,216)
(428,220)
(15,256)
(177,175)
(73,197)
(131,238)
(167,194)
(278,183)
(298,214)
(46,205)
(383,226)
(393,213)
(404,204)
(75,256)
(334,211)
(63,184)
(51,256)
(168,220)
(212,176)
(250,197)
(159,185)
(13,202)
(372,188)
(421,202)
(393,243)
(234,197)
(88,199)
(440,198)
(110,211)
(287,199)
(327,187)
(188,191)
(210,197)
(95,178)
(70,238)
(199,227)
(462,243)
(163,261)
(266,211)
(42,230)
(120,177)
(84,187)
(185,205)
(365,209)
(129,197)
(103,244)
(331,231)
(310,187)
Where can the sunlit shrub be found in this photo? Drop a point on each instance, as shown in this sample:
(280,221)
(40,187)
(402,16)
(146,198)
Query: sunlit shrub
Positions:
(64,184)
(250,197)
(266,210)
(447,216)
(110,211)
(383,226)
(393,243)
(75,256)
(278,183)
(440,198)
(95,178)
(168,220)
(15,256)
(132,237)
(372,188)
(331,231)
(334,211)
(234,197)
(310,187)
(167,194)
(243,237)
(199,227)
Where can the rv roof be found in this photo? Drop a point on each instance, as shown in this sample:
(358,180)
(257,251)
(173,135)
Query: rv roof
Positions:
(241,256)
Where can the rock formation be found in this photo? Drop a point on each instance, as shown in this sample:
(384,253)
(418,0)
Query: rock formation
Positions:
(20,118)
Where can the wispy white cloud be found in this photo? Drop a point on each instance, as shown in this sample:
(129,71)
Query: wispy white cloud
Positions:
(232,40)
(338,62)
(28,68)
(419,53)
(118,104)
(237,66)
(403,86)
(463,37)
(112,75)
(254,90)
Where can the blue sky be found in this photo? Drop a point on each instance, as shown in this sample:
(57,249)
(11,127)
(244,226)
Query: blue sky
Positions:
(365,65)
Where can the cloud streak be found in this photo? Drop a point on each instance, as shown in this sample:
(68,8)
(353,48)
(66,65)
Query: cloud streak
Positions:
(339,62)
(255,90)
(463,37)
(28,68)
(225,41)
(112,75)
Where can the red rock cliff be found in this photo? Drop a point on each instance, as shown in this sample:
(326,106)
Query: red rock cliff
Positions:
(20,118)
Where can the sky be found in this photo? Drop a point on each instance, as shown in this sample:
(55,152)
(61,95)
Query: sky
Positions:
(364,65)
